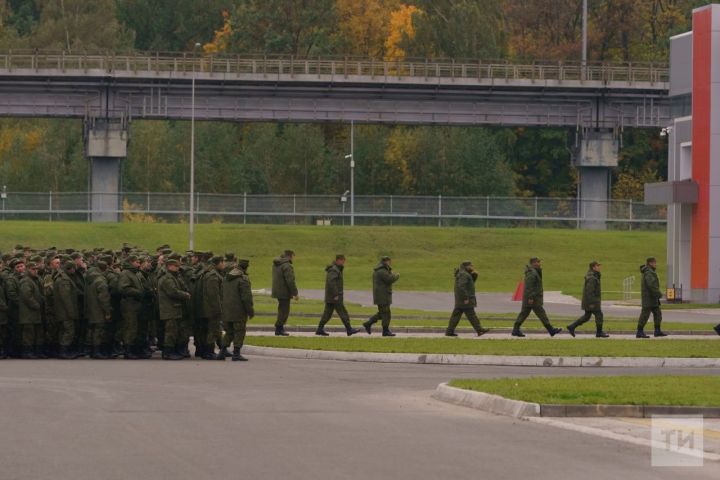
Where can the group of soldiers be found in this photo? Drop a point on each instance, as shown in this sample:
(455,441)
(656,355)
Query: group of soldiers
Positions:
(104,303)
(466,300)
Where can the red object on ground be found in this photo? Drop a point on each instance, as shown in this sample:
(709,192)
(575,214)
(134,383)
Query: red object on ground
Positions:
(519,291)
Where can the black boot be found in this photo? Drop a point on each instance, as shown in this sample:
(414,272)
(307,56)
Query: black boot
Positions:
(320,332)
(171,354)
(26,353)
(482,331)
(66,353)
(225,352)
(641,334)
(209,353)
(717,328)
(554,331)
(368,328)
(599,332)
(571,328)
(387,333)
(280,332)
(236,357)
(143,352)
(659,333)
(99,353)
(449,333)
(130,353)
(517,333)
(352,331)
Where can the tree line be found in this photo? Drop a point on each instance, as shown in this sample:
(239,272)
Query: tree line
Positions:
(41,155)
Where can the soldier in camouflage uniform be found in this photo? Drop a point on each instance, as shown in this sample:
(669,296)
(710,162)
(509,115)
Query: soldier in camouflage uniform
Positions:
(465,300)
(651,295)
(335,298)
(383,280)
(172,297)
(30,313)
(283,289)
(237,308)
(533,300)
(98,310)
(591,302)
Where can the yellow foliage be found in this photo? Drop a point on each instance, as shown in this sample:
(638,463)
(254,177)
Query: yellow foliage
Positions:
(401,27)
(222,36)
(365,24)
(129,216)
(402,145)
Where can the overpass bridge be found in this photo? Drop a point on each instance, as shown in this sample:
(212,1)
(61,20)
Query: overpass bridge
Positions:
(108,91)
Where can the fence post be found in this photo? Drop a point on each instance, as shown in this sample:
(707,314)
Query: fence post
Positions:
(294,207)
(536,213)
(50,206)
(577,213)
(244,208)
(439,210)
(391,210)
(487,212)
(631,214)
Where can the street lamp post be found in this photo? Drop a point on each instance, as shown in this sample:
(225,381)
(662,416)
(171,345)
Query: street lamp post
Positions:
(351,157)
(191,232)
(584,39)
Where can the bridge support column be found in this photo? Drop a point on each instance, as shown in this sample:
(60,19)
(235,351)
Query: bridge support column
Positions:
(596,156)
(105,147)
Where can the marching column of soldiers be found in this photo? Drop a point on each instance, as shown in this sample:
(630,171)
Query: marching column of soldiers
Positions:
(105,304)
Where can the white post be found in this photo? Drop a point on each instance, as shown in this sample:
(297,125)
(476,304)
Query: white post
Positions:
(352,173)
(584,39)
(191,232)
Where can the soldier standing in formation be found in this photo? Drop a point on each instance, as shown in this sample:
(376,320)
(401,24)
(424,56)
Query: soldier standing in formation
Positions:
(237,308)
(591,302)
(651,295)
(334,298)
(283,289)
(533,300)
(465,300)
(383,279)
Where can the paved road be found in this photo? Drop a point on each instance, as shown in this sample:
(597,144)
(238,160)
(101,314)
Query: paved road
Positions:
(555,304)
(284,419)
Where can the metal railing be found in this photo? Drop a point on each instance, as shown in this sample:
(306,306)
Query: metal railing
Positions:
(337,67)
(329,210)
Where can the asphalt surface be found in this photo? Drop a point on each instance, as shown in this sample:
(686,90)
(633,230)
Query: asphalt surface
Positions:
(286,419)
(555,304)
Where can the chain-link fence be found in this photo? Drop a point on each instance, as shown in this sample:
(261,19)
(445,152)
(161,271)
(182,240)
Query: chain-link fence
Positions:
(331,210)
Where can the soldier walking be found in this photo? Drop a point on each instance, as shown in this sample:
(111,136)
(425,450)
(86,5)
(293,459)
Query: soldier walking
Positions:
(237,308)
(334,298)
(591,302)
(533,300)
(465,300)
(650,290)
(383,279)
(172,297)
(283,289)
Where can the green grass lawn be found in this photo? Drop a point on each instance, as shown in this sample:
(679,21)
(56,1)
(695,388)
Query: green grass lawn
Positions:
(424,256)
(626,390)
(307,313)
(531,347)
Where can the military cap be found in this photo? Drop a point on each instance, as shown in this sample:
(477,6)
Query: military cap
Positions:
(15,261)
(534,259)
(339,256)
(101,265)
(67,266)
(19,247)
(243,262)
(650,260)
(51,248)
(172,261)
(217,260)
(7,257)
(107,259)
(229,256)
(385,258)
(174,256)
(594,263)
(467,263)
(69,251)
(32,266)
(165,251)
(35,259)
(164,246)
(131,258)
(288,253)
(76,255)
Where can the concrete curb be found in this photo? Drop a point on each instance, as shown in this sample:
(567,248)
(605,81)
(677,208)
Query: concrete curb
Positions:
(486,402)
(489,360)
(496,404)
